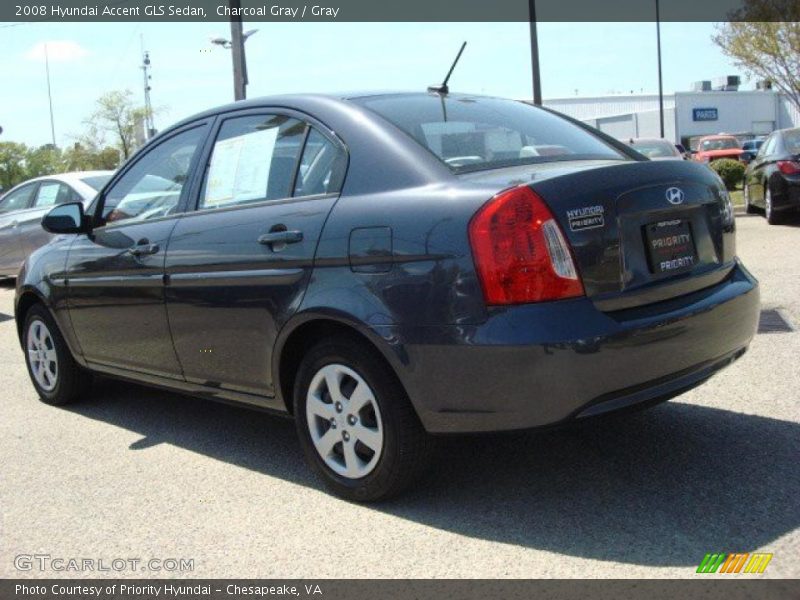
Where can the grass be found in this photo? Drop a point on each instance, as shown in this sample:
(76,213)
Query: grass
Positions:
(737,197)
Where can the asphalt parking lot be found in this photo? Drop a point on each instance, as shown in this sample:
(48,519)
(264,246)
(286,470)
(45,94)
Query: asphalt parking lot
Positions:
(137,473)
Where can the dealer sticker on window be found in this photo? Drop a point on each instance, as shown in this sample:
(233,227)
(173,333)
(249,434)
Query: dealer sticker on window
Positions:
(586,217)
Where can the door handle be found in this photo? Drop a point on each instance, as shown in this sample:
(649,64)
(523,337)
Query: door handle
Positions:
(143,248)
(281,237)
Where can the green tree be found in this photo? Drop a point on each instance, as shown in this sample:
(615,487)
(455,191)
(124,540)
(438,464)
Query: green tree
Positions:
(764,40)
(117,116)
(82,157)
(12,164)
(44,160)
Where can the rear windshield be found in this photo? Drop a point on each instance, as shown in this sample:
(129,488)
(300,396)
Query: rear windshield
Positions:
(96,181)
(719,144)
(792,140)
(470,134)
(655,149)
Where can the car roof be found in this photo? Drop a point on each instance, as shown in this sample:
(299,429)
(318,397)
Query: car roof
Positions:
(70,177)
(301,100)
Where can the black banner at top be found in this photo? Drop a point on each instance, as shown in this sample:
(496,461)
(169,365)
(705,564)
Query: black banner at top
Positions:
(401,10)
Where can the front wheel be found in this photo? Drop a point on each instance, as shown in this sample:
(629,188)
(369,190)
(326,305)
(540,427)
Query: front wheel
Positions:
(356,424)
(58,379)
(748,207)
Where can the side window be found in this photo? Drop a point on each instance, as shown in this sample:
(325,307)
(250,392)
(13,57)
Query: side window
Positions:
(321,167)
(52,192)
(18,199)
(152,187)
(254,159)
(768,147)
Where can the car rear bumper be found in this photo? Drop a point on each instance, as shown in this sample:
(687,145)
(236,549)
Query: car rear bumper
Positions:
(541,364)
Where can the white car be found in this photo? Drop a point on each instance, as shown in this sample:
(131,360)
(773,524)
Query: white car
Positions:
(656,148)
(23,206)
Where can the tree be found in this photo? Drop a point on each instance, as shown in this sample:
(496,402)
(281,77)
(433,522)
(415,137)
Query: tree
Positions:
(83,157)
(117,116)
(764,40)
(12,164)
(44,160)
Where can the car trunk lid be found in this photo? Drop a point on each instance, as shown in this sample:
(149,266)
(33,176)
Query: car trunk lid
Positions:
(641,232)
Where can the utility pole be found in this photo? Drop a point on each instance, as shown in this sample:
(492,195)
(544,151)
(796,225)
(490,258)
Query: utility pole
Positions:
(49,95)
(237,52)
(660,83)
(537,82)
(149,124)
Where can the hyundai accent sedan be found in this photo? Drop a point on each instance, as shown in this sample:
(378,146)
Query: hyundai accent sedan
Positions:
(388,267)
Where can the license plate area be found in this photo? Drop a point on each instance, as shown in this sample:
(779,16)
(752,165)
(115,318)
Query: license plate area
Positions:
(670,246)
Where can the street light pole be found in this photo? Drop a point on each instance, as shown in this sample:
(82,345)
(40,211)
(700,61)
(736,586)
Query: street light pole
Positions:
(49,95)
(660,82)
(237,52)
(537,82)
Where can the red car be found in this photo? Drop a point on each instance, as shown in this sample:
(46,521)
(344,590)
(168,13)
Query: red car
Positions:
(713,147)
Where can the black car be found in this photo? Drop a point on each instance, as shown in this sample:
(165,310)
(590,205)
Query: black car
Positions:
(772,179)
(386,267)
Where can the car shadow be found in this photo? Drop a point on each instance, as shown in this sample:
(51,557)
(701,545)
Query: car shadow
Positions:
(660,487)
(7,283)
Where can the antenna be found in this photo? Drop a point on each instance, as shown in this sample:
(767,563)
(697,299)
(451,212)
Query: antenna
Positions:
(443,89)
(149,125)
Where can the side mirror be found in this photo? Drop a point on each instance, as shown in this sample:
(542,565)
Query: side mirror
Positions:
(66,218)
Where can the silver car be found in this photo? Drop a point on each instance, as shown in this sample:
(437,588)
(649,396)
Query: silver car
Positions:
(22,209)
(656,148)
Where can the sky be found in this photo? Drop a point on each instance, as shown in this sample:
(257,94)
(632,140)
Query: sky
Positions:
(190,75)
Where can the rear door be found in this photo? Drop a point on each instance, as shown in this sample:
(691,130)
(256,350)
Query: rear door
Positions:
(115,275)
(13,207)
(238,266)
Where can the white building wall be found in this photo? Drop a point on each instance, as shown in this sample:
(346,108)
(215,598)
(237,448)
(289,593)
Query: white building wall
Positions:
(746,112)
(738,112)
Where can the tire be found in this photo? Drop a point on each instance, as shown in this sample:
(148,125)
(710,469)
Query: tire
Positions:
(372,453)
(773,218)
(58,379)
(749,208)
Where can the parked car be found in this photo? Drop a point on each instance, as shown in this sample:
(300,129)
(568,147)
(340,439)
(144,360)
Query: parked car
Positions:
(772,179)
(392,266)
(656,148)
(714,147)
(686,154)
(750,149)
(22,209)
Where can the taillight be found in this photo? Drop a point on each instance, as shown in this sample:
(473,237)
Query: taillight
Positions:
(789,167)
(520,253)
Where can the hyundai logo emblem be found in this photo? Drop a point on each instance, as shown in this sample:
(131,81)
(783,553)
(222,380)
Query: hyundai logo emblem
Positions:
(675,195)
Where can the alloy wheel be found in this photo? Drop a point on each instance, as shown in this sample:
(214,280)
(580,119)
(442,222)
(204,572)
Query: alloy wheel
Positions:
(42,355)
(344,421)
(768,204)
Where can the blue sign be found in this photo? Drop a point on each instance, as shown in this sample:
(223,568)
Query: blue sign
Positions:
(704,114)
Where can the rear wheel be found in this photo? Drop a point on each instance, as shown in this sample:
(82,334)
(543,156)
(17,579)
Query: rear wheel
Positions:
(357,427)
(773,218)
(58,379)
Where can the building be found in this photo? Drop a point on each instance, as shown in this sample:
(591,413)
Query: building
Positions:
(687,115)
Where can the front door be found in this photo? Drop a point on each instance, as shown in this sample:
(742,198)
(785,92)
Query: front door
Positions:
(115,275)
(238,266)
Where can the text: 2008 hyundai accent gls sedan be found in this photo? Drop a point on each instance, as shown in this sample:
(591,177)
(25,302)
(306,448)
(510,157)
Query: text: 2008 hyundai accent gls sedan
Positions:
(390,266)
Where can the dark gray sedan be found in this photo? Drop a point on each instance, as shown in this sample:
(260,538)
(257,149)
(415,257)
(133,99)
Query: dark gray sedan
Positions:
(387,267)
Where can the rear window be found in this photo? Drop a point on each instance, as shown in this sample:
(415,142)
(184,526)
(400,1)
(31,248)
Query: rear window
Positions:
(96,181)
(655,149)
(792,140)
(470,134)
(719,144)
